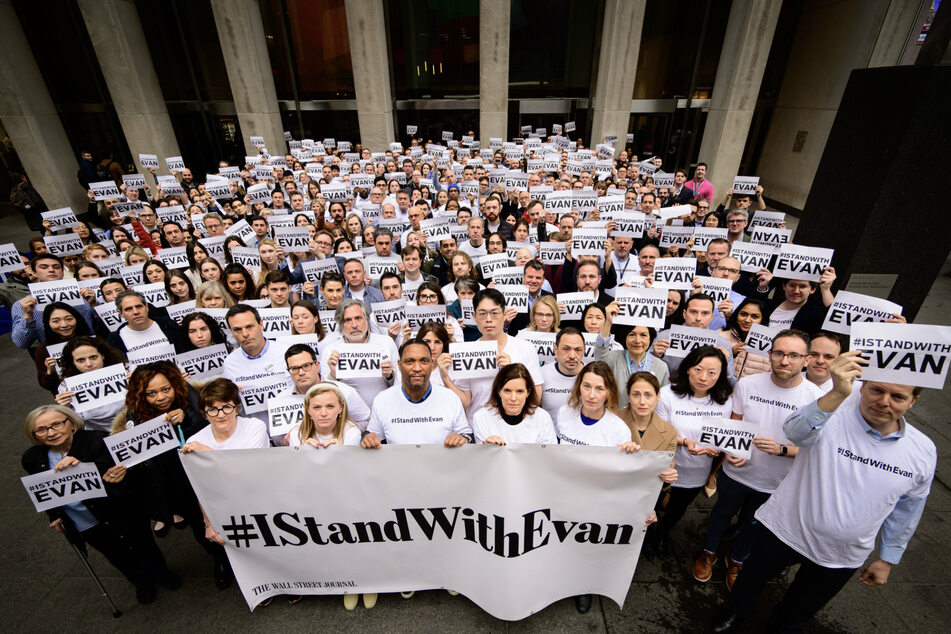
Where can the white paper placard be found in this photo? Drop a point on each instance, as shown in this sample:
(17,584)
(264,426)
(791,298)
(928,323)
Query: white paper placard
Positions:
(203,363)
(702,236)
(641,307)
(148,160)
(767,219)
(133,181)
(255,394)
(759,340)
(109,315)
(516,296)
(10,259)
(677,237)
(60,218)
(575,303)
(907,354)
(283,413)
(769,236)
(734,437)
(490,263)
(745,185)
(105,190)
(630,224)
(142,442)
(674,273)
(416,316)
(752,257)
(63,245)
(676,211)
(52,489)
(376,266)
(715,287)
(293,239)
(797,262)
(66,291)
(683,339)
(386,313)
(474,359)
(585,241)
(275,322)
(150,354)
(97,388)
(849,308)
(154,294)
(552,253)
(174,163)
(359,361)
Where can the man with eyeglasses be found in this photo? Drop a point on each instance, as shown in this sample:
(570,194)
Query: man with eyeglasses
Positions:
(304,367)
(702,211)
(725,269)
(736,222)
(148,219)
(765,400)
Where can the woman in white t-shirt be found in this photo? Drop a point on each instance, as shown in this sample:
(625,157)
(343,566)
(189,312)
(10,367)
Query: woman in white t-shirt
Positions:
(326,420)
(699,392)
(513,413)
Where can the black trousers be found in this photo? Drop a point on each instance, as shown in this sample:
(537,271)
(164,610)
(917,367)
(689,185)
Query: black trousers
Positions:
(733,498)
(813,587)
(677,504)
(132,550)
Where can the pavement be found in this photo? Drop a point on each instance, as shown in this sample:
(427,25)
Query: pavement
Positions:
(44,588)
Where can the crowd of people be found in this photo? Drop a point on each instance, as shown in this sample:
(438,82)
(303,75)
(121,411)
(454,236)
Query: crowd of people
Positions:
(427,225)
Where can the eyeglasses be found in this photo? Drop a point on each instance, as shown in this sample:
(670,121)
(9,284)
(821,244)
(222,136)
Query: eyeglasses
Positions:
(730,271)
(703,206)
(427,296)
(793,356)
(735,221)
(485,314)
(304,367)
(39,432)
(217,411)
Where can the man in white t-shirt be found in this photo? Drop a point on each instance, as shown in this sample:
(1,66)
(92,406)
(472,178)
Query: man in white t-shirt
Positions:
(559,377)
(353,321)
(304,367)
(140,331)
(764,401)
(475,245)
(824,347)
(416,411)
(256,358)
(489,313)
(862,470)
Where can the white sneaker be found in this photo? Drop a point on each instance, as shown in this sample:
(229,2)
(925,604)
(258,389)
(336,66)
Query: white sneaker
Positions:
(369,601)
(350,601)
(408,595)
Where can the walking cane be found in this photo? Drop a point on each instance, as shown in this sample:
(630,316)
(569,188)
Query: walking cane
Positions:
(116,613)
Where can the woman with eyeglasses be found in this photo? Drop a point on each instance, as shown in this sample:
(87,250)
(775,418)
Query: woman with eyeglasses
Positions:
(115,525)
(429,294)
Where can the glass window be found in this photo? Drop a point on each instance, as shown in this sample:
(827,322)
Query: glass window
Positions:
(434,48)
(552,51)
(669,48)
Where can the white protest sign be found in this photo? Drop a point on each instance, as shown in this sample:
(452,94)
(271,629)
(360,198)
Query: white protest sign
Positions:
(558,202)
(674,273)
(416,316)
(676,211)
(411,130)
(849,308)
(174,163)
(386,313)
(745,185)
(508,275)
(10,259)
(283,412)
(259,193)
(759,340)
(93,284)
(105,190)
(562,532)
(376,266)
(436,229)
(203,363)
(66,291)
(157,351)
(641,307)
(703,235)
(516,296)
(734,437)
(52,489)
(630,224)
(588,241)
(148,160)
(767,219)
(683,339)
(250,258)
(609,205)
(141,442)
(60,218)
(126,208)
(678,237)
(584,201)
(328,321)
(174,213)
(154,294)
(133,181)
(292,239)
(544,343)
(769,236)
(314,270)
(174,257)
(109,315)
(752,257)
(256,393)
(275,322)
(575,303)
(715,287)
(552,253)
(491,263)
(907,354)
(63,245)
(359,361)
(474,359)
(802,263)
(98,387)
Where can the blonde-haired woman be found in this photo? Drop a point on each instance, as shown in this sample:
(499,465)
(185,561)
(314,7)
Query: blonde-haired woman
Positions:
(544,316)
(326,423)
(136,256)
(271,258)
(212,295)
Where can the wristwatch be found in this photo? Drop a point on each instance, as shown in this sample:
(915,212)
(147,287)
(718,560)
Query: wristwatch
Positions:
(783,450)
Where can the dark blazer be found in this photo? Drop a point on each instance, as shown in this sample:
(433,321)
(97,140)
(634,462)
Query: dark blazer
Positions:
(809,318)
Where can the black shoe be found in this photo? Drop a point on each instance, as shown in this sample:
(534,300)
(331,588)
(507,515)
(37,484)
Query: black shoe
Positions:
(145,594)
(663,546)
(162,532)
(650,545)
(223,574)
(170,581)
(726,619)
(583,603)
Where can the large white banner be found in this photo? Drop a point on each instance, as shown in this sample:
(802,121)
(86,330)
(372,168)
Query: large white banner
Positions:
(539,524)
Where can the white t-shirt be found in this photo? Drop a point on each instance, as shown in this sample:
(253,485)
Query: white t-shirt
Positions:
(840,490)
(473,251)
(765,407)
(240,369)
(355,294)
(519,352)
(401,422)
(367,388)
(826,386)
(609,431)
(249,433)
(536,429)
(351,435)
(781,318)
(139,339)
(687,415)
(557,388)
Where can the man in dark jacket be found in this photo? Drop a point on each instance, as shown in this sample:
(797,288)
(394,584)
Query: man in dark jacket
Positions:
(28,202)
